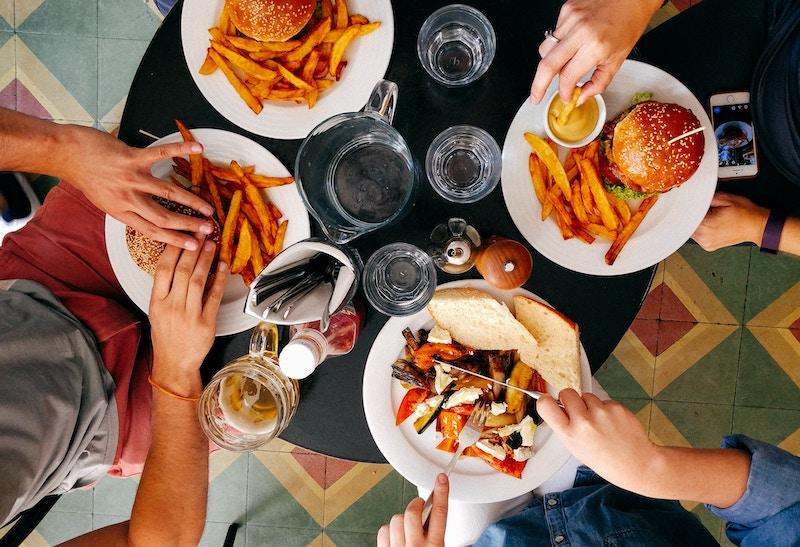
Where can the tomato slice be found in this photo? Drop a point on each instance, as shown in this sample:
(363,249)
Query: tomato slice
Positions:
(412,398)
(464,410)
(537,383)
(451,424)
(509,466)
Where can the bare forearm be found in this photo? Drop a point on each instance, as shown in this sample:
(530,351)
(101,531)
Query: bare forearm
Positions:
(790,237)
(714,476)
(32,145)
(170,505)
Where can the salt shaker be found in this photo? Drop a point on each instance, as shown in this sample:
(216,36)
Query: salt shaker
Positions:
(454,246)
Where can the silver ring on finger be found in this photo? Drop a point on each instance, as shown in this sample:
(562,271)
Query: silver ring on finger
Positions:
(548,35)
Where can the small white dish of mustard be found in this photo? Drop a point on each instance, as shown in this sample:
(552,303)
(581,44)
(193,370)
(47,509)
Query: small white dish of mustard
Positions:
(579,125)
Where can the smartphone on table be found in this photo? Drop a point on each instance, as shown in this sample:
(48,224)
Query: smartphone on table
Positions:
(731,116)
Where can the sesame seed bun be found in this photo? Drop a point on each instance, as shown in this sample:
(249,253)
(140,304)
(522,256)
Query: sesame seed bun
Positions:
(641,157)
(145,252)
(271,20)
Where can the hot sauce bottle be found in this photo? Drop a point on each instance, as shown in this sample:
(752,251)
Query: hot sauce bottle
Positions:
(309,347)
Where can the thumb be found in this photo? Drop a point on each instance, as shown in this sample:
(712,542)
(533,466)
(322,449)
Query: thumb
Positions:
(438,519)
(551,413)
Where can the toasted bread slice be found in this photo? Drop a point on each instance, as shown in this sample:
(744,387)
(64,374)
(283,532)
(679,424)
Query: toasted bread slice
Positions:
(559,357)
(474,318)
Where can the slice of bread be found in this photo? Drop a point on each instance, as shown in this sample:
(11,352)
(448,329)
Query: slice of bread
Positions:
(474,318)
(559,356)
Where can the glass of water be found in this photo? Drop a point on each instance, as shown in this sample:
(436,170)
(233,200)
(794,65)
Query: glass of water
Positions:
(399,279)
(456,45)
(463,164)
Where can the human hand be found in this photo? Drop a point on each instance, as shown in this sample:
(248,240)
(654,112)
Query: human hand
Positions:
(182,317)
(731,220)
(592,34)
(604,435)
(405,530)
(116,179)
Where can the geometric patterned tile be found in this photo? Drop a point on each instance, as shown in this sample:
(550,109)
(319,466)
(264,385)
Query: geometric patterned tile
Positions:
(57,527)
(101,521)
(339,538)
(711,286)
(712,378)
(8,72)
(74,17)
(117,64)
(77,501)
(769,371)
(132,19)
(670,332)
(642,408)
(6,14)
(651,307)
(776,426)
(60,73)
(690,424)
(618,382)
(279,445)
(712,523)
(113,496)
(258,536)
(773,291)
(629,370)
(373,509)
(214,535)
(227,489)
(724,273)
(280,493)
(681,355)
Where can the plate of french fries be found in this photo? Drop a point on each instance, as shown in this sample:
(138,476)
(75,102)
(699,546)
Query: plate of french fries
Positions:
(285,89)
(257,208)
(559,202)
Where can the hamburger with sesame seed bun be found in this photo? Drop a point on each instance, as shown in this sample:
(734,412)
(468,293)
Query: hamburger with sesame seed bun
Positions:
(145,252)
(636,156)
(271,20)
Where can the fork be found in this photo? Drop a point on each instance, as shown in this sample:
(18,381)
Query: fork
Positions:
(470,434)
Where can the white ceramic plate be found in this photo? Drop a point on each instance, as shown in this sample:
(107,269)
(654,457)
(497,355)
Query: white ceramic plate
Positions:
(415,456)
(220,147)
(669,223)
(367,60)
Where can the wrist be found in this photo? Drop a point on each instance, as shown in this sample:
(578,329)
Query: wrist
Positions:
(63,142)
(183,382)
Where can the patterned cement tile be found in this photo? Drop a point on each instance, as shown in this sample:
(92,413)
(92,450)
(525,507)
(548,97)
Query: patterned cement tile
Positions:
(57,527)
(690,424)
(769,373)
(117,64)
(114,497)
(773,292)
(227,491)
(131,19)
(6,14)
(8,70)
(77,501)
(265,536)
(629,371)
(75,17)
(777,426)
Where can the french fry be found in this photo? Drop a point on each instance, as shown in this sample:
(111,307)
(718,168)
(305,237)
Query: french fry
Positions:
(252,102)
(590,153)
(195,160)
(244,248)
(256,259)
(547,207)
(226,192)
(299,83)
(255,198)
(311,97)
(240,61)
(213,190)
(625,234)
(569,163)
(339,47)
(586,195)
(229,229)
(340,8)
(564,227)
(582,234)
(577,204)
(623,211)
(572,173)
(248,44)
(358,20)
(363,30)
(218,35)
(265,55)
(323,84)
(601,231)
(269,182)
(310,66)
(276,213)
(550,159)
(589,173)
(281,235)
(182,166)
(247,275)
(566,112)
(311,41)
(536,177)
(286,94)
(252,217)
(208,66)
(325,8)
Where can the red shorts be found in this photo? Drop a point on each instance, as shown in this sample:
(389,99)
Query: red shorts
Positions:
(63,248)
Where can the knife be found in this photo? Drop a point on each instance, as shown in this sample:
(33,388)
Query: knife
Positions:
(533,394)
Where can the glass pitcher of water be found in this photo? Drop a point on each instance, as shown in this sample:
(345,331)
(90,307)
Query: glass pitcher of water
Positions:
(249,401)
(354,171)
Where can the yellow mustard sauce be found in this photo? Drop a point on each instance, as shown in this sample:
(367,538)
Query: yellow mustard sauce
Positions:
(580,123)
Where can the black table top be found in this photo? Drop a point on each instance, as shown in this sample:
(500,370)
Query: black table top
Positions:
(330,418)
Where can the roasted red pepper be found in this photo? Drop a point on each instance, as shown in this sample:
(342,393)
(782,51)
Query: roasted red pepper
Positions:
(412,398)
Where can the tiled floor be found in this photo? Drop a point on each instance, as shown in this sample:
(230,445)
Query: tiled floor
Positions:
(715,349)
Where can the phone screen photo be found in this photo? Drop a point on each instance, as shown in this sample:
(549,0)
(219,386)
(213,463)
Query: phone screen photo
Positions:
(733,128)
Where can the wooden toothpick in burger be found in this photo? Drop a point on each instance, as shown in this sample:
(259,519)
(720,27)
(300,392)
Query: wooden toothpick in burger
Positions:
(687,134)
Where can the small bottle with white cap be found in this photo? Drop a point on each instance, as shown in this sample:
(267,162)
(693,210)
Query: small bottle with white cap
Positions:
(309,347)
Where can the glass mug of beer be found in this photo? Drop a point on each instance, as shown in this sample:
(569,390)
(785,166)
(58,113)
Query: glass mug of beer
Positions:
(249,401)
(354,171)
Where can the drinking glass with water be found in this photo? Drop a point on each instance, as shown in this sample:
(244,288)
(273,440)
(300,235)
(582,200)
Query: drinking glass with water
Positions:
(456,45)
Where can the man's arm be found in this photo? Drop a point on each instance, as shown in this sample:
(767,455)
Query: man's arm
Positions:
(608,438)
(114,177)
(170,505)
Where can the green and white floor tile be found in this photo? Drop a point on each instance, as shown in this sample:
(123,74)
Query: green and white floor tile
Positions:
(715,349)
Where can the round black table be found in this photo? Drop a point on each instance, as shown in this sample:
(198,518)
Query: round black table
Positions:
(330,419)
